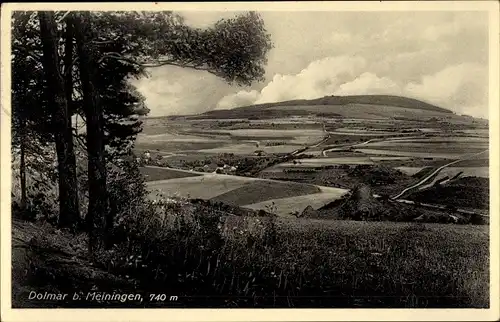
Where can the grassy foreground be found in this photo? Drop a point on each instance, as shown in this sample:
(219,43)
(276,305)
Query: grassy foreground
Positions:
(210,258)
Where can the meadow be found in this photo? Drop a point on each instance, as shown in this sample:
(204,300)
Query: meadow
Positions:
(296,205)
(204,186)
(280,262)
(232,190)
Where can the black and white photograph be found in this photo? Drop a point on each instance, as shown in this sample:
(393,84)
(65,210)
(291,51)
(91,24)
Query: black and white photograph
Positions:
(173,157)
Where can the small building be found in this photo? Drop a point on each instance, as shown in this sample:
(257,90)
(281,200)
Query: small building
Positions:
(259,153)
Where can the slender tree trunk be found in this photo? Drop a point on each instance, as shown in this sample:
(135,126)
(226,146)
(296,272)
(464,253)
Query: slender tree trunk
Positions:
(68,90)
(68,66)
(98,219)
(69,215)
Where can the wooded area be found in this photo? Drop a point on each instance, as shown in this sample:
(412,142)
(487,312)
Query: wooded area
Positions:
(72,66)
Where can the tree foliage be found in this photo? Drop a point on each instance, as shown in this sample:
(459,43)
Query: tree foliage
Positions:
(68,64)
(233,49)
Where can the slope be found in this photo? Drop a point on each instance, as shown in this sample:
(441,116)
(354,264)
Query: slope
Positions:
(271,109)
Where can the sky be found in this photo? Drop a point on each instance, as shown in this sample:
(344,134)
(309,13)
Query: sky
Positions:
(436,56)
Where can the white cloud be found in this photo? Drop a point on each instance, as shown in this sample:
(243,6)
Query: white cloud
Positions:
(242,98)
(172,90)
(434,32)
(340,37)
(461,88)
(368,83)
(342,75)
(320,78)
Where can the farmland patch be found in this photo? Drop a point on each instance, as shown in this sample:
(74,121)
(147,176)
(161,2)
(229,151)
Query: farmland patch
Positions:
(396,158)
(318,162)
(441,155)
(203,187)
(250,149)
(479,132)
(178,146)
(286,206)
(263,190)
(158,173)
(469,147)
(482,172)
(409,170)
(436,139)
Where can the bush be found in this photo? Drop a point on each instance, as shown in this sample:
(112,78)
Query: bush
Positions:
(126,188)
(175,244)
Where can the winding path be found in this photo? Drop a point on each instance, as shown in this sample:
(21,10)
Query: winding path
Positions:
(363,143)
(432,174)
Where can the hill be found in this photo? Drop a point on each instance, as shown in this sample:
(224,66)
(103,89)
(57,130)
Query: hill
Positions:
(387,100)
(378,106)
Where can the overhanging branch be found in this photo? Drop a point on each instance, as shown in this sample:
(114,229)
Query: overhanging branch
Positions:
(159,63)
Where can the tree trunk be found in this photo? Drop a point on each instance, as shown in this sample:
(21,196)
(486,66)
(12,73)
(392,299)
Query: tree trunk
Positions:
(68,66)
(98,220)
(69,215)
(68,90)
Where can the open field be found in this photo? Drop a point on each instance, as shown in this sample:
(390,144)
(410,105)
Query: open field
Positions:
(435,144)
(421,162)
(239,191)
(293,136)
(383,259)
(178,147)
(434,140)
(203,187)
(479,132)
(249,149)
(445,155)
(385,158)
(264,141)
(410,170)
(337,134)
(361,132)
(286,206)
(318,162)
(434,147)
(262,190)
(328,161)
(482,172)
(350,264)
(156,174)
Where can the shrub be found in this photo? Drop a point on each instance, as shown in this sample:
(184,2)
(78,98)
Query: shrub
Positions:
(182,245)
(126,188)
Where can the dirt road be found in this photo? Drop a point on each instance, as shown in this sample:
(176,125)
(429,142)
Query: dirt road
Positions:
(361,144)
(434,173)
